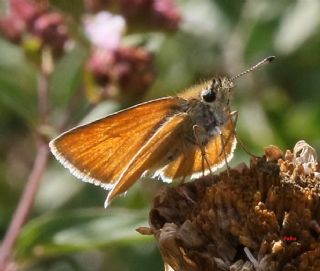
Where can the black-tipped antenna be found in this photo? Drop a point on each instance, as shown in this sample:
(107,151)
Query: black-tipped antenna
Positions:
(265,61)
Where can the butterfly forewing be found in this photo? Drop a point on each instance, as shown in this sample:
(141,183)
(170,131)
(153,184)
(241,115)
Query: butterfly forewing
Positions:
(100,151)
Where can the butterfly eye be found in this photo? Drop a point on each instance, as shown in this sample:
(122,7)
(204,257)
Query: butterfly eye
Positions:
(209,95)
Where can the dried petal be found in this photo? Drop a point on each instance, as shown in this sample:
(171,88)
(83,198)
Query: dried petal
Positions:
(265,217)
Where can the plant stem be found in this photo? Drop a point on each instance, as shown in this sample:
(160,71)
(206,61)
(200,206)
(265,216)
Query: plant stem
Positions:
(39,167)
(25,204)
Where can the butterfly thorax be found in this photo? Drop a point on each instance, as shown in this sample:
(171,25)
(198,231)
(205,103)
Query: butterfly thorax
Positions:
(208,107)
(207,118)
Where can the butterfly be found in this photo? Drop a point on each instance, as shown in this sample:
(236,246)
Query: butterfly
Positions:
(174,138)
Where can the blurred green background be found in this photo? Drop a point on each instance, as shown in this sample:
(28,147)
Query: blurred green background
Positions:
(278,104)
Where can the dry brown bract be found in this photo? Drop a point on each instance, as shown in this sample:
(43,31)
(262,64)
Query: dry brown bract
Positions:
(265,217)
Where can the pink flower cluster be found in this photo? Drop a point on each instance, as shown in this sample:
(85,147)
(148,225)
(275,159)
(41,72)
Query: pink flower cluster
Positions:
(157,14)
(31,18)
(129,68)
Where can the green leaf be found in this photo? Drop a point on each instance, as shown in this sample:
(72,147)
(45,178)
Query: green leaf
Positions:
(19,101)
(80,230)
(17,82)
(73,7)
(66,78)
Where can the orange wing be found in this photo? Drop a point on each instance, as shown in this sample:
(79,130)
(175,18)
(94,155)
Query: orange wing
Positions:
(153,154)
(170,156)
(99,152)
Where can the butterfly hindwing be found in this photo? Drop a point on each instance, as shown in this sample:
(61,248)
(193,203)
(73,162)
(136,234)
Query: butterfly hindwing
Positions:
(99,152)
(153,154)
(190,162)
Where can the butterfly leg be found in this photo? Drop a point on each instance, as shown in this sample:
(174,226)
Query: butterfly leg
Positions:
(223,144)
(196,132)
(235,115)
(234,121)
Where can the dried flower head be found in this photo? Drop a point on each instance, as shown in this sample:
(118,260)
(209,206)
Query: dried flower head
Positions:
(262,217)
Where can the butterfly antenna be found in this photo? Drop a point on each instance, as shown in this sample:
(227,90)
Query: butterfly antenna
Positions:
(262,62)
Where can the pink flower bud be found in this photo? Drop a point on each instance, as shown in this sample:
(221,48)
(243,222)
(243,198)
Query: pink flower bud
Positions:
(12,28)
(51,29)
(26,10)
(129,68)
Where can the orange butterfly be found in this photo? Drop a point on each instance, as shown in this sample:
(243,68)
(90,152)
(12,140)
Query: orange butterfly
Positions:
(172,138)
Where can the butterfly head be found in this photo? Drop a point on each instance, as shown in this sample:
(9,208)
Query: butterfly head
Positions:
(217,92)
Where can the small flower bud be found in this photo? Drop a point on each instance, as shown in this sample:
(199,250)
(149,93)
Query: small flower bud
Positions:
(51,29)
(131,69)
(26,10)
(12,28)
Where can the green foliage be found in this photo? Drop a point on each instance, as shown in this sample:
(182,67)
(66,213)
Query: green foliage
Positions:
(79,230)
(17,83)
(67,77)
